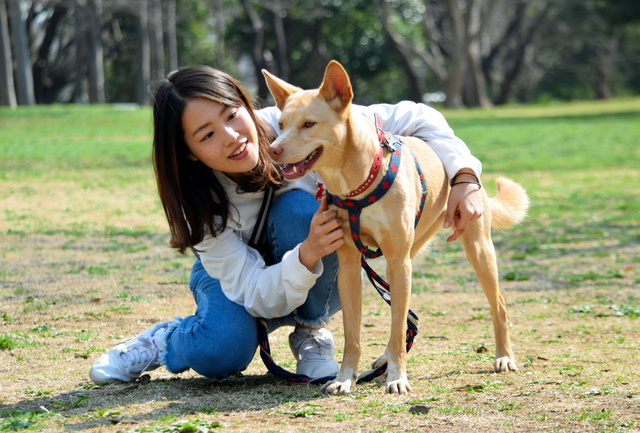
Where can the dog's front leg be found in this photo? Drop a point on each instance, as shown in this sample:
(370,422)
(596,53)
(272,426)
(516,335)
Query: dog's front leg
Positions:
(400,287)
(350,286)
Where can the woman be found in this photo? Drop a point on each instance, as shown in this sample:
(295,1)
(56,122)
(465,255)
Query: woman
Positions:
(212,170)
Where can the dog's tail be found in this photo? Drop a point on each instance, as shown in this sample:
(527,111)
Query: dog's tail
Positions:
(510,205)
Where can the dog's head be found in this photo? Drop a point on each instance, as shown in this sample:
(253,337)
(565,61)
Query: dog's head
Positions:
(313,122)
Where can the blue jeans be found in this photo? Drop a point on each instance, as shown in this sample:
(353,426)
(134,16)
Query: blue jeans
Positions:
(220,339)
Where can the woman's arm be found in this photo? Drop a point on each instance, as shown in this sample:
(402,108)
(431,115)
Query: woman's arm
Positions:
(421,121)
(264,291)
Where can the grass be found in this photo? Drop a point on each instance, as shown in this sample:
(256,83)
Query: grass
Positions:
(84,265)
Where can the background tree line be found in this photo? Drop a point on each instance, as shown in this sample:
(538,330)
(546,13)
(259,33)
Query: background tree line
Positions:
(477,52)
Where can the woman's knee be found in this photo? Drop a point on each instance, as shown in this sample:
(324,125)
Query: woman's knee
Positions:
(214,350)
(290,220)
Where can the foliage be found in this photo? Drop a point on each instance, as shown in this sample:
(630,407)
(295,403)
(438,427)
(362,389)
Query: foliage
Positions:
(583,49)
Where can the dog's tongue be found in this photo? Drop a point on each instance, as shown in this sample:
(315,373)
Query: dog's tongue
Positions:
(293,171)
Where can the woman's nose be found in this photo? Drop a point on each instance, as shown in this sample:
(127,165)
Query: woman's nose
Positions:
(231,134)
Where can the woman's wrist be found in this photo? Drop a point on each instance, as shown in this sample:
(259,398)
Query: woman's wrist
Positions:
(465,176)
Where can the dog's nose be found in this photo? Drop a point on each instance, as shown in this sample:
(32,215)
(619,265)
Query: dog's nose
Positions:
(275,150)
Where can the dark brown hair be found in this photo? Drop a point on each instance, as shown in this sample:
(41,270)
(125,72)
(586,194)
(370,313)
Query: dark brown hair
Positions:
(194,202)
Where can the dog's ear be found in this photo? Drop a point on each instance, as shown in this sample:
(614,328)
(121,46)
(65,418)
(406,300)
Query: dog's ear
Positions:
(280,89)
(336,87)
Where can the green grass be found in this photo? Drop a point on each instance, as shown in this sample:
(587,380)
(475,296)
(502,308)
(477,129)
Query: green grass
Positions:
(560,137)
(84,265)
(42,138)
(511,139)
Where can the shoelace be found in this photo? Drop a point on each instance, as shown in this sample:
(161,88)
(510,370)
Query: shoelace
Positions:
(142,353)
(313,348)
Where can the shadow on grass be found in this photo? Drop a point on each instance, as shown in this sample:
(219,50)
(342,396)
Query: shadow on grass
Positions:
(162,400)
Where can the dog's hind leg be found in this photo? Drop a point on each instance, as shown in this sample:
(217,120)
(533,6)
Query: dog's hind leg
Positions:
(481,254)
(350,286)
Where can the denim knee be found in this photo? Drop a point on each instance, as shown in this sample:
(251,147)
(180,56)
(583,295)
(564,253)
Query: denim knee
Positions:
(217,351)
(289,221)
(219,340)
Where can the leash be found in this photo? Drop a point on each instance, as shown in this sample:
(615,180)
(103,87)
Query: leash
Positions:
(354,208)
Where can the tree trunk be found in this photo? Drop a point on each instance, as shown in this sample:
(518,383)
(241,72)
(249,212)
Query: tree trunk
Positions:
(257,53)
(282,54)
(7,89)
(170,36)
(403,54)
(95,53)
(518,59)
(156,44)
(603,60)
(144,72)
(41,65)
(81,49)
(476,87)
(24,75)
(458,64)
(220,29)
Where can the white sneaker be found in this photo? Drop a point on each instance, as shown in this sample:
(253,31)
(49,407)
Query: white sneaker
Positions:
(129,360)
(313,349)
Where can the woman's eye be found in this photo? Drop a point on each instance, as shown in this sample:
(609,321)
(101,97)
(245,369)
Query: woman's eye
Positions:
(208,136)
(233,115)
(308,124)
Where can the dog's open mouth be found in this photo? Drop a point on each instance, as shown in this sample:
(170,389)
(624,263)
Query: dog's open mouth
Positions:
(299,169)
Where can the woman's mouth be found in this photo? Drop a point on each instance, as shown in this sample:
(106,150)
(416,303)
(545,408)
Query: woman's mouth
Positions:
(239,152)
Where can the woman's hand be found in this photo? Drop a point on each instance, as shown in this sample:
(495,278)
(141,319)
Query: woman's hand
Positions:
(325,236)
(465,203)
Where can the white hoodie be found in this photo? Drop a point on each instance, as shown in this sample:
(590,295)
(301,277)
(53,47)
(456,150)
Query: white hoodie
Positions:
(277,290)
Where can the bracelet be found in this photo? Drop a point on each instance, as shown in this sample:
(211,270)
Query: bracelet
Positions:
(452,183)
(462,181)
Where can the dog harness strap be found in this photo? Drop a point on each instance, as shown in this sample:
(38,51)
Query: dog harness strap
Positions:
(354,207)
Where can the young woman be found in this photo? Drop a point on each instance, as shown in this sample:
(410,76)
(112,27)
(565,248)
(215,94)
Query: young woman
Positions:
(213,170)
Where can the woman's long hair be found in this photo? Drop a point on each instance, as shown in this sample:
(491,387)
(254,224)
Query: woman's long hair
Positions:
(194,202)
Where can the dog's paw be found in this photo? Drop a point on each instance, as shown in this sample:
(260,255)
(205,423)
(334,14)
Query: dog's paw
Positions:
(335,387)
(400,386)
(504,364)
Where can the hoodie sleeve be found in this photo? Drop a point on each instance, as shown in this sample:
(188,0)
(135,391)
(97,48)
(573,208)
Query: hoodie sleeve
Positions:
(421,121)
(264,291)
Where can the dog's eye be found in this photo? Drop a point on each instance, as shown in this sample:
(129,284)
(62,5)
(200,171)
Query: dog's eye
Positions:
(308,124)
(280,126)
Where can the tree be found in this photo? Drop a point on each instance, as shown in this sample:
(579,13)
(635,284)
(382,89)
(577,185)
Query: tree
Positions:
(449,44)
(144,55)
(156,45)
(170,35)
(23,73)
(7,89)
(94,53)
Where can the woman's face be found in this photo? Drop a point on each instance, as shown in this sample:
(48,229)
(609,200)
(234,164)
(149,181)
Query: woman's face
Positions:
(223,138)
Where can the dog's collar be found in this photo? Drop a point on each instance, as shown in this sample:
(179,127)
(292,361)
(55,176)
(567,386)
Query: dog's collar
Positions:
(373,173)
(377,162)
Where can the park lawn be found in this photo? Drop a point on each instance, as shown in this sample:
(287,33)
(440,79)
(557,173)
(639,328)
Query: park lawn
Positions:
(84,265)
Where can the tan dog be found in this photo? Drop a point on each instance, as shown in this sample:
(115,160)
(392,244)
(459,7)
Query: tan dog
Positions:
(318,132)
